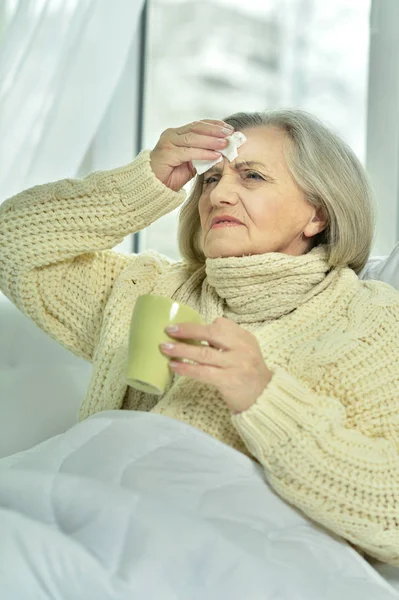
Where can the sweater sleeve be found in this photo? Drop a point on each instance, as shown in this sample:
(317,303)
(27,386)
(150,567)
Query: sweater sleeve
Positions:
(56,262)
(339,476)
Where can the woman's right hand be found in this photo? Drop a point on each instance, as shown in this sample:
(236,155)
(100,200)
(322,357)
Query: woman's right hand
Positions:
(176,148)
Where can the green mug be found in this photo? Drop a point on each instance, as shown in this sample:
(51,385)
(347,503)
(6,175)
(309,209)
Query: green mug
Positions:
(147,368)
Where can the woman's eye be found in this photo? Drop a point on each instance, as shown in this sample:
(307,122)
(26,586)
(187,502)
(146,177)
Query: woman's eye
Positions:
(247,175)
(210,179)
(253,175)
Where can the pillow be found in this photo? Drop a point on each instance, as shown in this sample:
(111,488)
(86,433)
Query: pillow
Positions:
(384,268)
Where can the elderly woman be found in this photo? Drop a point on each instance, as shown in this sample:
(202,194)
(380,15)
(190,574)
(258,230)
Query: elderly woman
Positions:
(301,372)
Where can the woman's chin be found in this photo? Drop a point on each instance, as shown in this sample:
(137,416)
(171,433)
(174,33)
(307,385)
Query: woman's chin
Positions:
(224,247)
(223,252)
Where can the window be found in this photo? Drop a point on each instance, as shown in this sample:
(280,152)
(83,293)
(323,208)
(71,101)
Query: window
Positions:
(210,58)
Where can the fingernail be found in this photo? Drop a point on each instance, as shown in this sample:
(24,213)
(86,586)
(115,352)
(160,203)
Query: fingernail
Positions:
(227,131)
(168,346)
(172,328)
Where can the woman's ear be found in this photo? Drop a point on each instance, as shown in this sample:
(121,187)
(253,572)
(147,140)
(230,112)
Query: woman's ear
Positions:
(318,224)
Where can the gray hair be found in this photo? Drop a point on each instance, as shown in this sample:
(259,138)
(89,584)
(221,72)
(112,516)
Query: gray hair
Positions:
(327,171)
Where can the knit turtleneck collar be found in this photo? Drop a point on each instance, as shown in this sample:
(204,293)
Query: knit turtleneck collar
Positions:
(264,287)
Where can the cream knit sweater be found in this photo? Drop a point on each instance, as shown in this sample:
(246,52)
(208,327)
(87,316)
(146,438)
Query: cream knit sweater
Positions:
(326,429)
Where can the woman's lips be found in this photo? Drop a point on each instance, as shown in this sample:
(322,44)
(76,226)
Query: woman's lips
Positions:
(226,224)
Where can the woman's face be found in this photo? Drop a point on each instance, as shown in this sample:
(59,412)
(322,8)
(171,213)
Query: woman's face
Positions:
(258,190)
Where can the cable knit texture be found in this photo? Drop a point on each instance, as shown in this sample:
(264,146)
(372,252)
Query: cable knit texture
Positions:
(326,428)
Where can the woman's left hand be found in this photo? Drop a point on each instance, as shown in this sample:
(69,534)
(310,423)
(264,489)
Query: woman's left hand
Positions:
(232,362)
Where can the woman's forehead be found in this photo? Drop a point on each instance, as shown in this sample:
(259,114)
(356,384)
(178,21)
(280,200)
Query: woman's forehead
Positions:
(264,145)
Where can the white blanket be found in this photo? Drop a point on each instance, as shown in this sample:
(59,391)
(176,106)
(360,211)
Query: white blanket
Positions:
(130,505)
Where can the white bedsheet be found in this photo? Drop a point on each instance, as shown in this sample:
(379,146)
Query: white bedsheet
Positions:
(130,505)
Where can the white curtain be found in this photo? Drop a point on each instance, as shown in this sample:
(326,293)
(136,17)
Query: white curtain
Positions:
(60,64)
(383,120)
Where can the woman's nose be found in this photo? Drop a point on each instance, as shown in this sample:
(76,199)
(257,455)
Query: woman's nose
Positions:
(223,191)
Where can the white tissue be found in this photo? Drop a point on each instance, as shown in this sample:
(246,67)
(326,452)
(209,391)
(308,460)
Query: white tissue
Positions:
(235,140)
